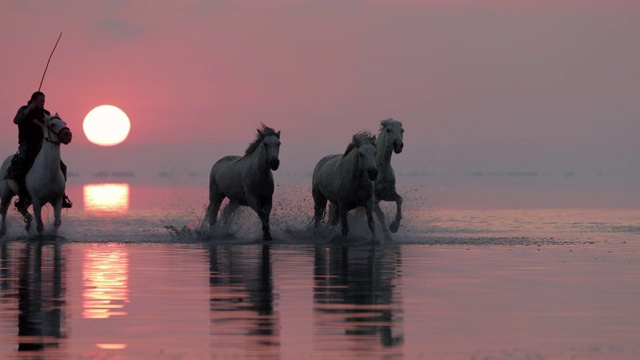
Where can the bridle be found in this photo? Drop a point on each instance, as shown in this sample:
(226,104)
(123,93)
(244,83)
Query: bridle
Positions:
(47,135)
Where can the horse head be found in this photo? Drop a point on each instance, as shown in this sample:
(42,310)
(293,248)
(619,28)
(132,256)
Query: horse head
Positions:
(270,140)
(393,132)
(365,143)
(55,130)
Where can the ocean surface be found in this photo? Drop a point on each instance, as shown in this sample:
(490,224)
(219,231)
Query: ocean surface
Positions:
(495,272)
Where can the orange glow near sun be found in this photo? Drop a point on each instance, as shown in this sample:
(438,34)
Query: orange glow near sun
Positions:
(111,346)
(106,125)
(106,198)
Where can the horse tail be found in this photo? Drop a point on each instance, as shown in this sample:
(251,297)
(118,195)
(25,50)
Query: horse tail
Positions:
(212,191)
(312,221)
(319,204)
(207,211)
(215,196)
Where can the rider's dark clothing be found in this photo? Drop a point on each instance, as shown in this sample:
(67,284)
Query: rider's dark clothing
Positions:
(30,134)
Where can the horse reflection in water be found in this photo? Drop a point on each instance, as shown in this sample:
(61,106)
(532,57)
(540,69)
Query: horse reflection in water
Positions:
(40,294)
(357,284)
(242,298)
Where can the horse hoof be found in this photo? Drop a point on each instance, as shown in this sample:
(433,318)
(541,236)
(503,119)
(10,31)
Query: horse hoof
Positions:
(394,227)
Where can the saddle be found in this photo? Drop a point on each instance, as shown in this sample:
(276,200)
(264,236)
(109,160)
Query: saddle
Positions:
(14,167)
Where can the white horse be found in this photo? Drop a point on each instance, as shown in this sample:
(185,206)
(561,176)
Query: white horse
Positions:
(346,181)
(44,181)
(246,180)
(389,141)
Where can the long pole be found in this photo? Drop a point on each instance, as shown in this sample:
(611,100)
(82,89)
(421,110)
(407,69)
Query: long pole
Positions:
(45,69)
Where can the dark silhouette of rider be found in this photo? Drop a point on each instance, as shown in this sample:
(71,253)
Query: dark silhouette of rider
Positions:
(29,120)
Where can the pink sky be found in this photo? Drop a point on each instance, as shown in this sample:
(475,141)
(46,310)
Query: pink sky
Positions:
(479,85)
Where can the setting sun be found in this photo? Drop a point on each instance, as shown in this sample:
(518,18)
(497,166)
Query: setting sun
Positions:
(106,125)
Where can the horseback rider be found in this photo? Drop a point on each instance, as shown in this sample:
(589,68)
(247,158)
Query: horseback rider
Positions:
(29,120)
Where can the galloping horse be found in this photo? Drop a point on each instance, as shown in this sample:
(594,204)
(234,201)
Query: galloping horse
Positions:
(389,141)
(246,180)
(346,181)
(44,181)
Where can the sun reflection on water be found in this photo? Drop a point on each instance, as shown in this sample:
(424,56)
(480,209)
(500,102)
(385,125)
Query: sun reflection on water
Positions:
(111,346)
(105,276)
(106,198)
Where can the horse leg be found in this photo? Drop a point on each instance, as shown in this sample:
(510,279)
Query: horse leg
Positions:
(319,205)
(342,210)
(263,212)
(57,210)
(26,215)
(369,209)
(215,199)
(266,228)
(334,216)
(227,213)
(396,223)
(37,213)
(380,215)
(4,206)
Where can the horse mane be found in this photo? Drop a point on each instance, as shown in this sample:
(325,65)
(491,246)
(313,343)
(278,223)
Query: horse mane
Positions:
(261,134)
(361,138)
(388,122)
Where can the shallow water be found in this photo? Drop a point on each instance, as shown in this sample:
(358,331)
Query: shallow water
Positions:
(118,283)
